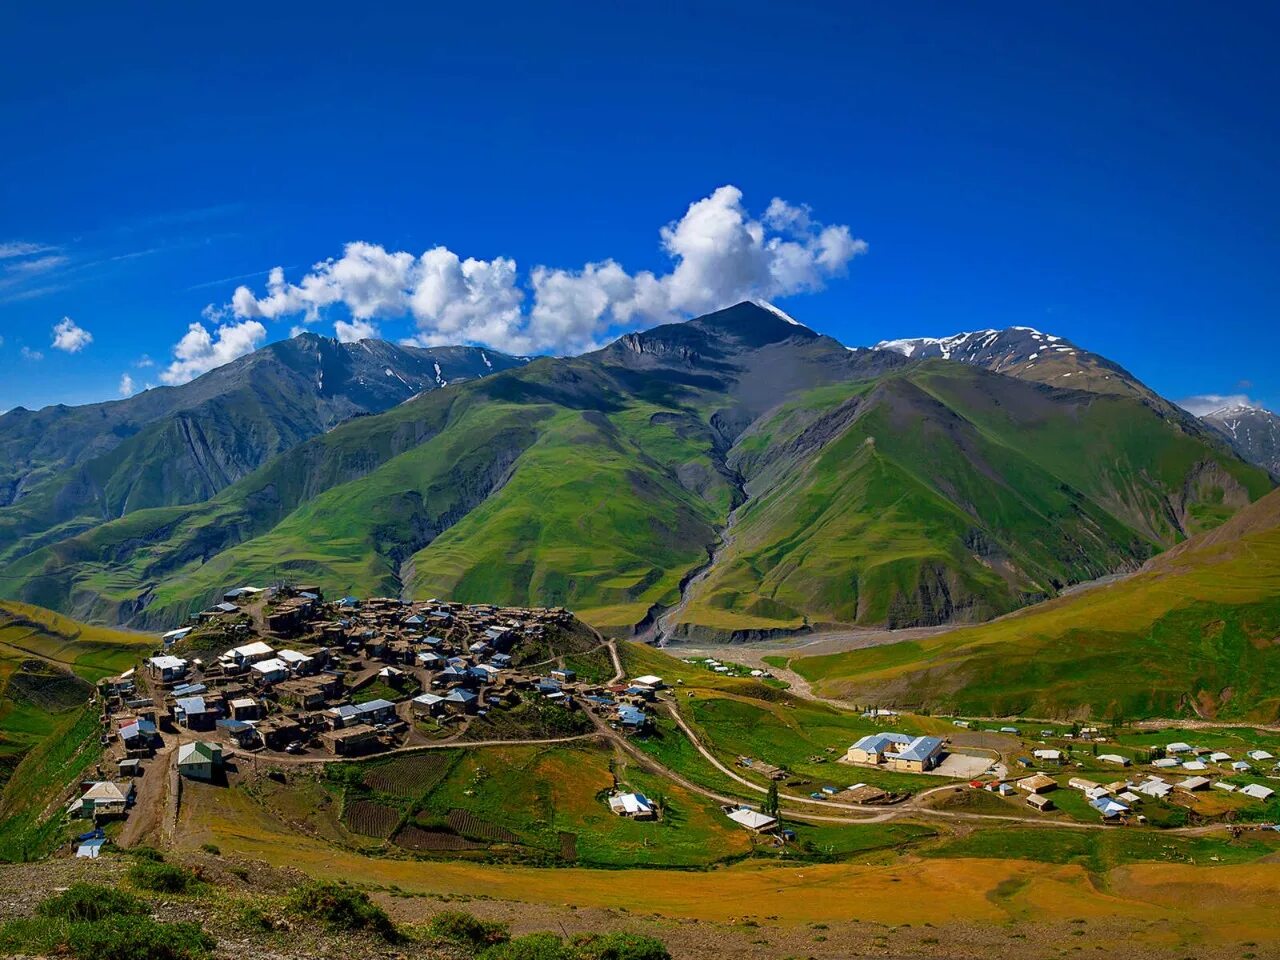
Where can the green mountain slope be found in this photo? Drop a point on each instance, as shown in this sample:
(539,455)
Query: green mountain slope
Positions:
(1195,632)
(64,470)
(856,487)
(944,493)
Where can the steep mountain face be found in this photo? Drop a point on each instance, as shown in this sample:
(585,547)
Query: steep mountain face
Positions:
(66,469)
(1252,431)
(738,472)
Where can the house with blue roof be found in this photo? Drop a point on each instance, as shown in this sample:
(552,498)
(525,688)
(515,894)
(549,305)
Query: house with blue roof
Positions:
(897,751)
(461,701)
(194,713)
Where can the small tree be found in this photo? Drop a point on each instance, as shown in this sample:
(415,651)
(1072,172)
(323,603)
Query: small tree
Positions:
(771,799)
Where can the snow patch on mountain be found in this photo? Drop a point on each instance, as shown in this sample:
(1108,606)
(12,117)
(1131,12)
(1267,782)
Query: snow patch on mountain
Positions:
(777,312)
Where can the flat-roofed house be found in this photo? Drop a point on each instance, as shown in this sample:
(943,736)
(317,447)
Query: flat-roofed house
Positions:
(348,741)
(267,672)
(167,668)
(247,654)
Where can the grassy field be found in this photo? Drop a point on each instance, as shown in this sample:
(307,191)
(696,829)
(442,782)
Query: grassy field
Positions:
(1193,634)
(1102,850)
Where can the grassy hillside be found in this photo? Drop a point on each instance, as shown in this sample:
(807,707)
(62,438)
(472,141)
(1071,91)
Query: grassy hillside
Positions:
(944,493)
(48,665)
(1197,632)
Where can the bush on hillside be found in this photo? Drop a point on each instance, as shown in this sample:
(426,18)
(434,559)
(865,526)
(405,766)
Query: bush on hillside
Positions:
(164,878)
(93,922)
(618,946)
(533,946)
(591,946)
(341,908)
(138,938)
(142,853)
(463,929)
(87,902)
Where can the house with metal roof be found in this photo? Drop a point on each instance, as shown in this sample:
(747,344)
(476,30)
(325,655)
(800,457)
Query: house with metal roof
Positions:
(427,705)
(199,760)
(897,751)
(752,820)
(377,711)
(270,671)
(167,668)
(634,806)
(1108,807)
(194,713)
(460,700)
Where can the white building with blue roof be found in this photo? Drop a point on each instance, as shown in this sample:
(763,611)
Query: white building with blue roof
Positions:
(897,751)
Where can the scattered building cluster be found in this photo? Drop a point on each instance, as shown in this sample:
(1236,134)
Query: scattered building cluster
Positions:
(1176,776)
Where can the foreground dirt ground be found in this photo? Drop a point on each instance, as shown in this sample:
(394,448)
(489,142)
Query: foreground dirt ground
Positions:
(960,910)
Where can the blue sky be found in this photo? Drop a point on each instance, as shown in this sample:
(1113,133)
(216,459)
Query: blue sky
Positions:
(1106,176)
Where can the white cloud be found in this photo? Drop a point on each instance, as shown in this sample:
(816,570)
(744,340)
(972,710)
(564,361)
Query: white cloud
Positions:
(355,330)
(720,254)
(69,337)
(29,354)
(1204,403)
(126,385)
(200,351)
(18,248)
(143,362)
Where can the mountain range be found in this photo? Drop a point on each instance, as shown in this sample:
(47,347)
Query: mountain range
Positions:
(735,474)
(66,469)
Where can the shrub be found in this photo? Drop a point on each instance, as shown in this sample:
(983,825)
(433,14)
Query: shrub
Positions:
(534,946)
(143,853)
(164,878)
(341,908)
(138,938)
(211,848)
(38,936)
(619,946)
(92,901)
(113,938)
(457,926)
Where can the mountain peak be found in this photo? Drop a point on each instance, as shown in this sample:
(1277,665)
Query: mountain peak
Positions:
(1014,342)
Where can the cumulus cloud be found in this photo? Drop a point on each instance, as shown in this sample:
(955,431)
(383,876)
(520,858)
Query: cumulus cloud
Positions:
(200,351)
(69,337)
(1204,403)
(29,354)
(720,254)
(126,385)
(353,331)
